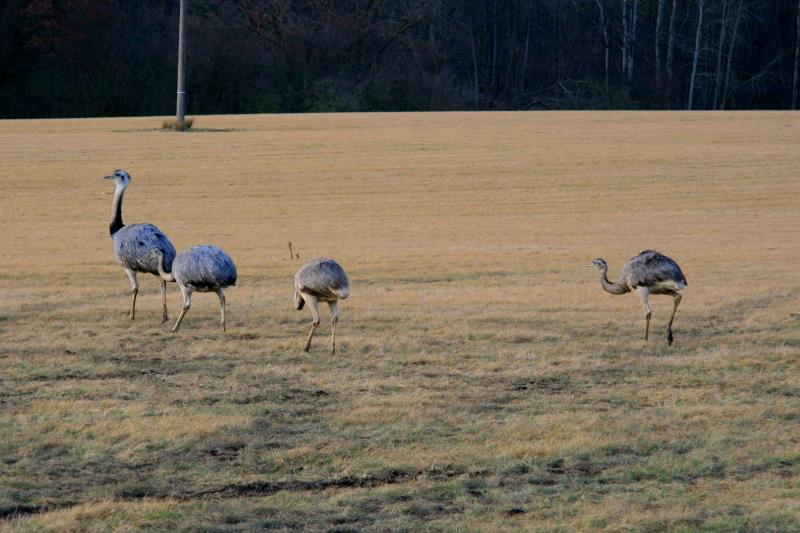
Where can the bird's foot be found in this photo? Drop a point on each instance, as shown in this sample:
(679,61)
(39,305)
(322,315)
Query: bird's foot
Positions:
(306,348)
(670,338)
(164,319)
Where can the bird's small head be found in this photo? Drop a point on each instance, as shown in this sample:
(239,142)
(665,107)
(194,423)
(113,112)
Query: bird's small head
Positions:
(599,264)
(120,177)
(299,302)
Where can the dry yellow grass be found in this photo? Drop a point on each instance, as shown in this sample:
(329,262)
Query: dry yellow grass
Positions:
(485,381)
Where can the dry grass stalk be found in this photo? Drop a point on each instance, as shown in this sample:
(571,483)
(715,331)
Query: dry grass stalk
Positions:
(172,124)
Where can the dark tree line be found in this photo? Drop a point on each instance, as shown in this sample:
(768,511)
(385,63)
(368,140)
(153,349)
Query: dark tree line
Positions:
(62,58)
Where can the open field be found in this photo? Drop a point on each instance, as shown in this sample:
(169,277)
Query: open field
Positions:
(484,381)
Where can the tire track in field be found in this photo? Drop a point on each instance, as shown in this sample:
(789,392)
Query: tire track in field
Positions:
(257,488)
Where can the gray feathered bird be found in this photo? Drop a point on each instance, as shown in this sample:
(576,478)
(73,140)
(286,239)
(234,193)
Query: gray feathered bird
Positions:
(321,280)
(648,273)
(201,269)
(134,244)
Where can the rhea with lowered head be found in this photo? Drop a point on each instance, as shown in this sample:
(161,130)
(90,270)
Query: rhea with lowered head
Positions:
(201,269)
(134,244)
(321,280)
(648,273)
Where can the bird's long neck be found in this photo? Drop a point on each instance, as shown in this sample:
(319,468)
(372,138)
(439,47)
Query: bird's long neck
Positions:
(166,276)
(116,211)
(614,288)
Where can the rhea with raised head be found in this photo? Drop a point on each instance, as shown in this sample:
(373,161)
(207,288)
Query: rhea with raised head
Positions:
(648,273)
(321,280)
(202,269)
(134,244)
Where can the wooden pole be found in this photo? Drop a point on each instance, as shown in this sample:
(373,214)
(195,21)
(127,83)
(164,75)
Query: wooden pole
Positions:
(796,77)
(181,104)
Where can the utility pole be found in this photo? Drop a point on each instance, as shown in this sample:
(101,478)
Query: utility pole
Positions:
(796,78)
(180,113)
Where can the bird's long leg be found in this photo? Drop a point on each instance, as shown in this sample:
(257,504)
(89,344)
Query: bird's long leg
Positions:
(164,315)
(644,292)
(334,305)
(677,296)
(187,303)
(134,292)
(221,295)
(312,305)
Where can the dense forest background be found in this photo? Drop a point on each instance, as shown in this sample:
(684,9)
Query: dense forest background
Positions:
(68,58)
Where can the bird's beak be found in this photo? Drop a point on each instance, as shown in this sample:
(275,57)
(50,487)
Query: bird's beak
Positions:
(589,265)
(108,177)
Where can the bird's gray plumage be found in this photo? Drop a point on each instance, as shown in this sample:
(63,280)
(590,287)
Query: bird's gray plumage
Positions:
(204,268)
(134,244)
(321,280)
(649,269)
(650,272)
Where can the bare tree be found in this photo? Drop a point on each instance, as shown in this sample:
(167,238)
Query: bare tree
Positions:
(731,47)
(659,19)
(625,34)
(363,55)
(671,46)
(720,47)
(625,38)
(475,86)
(630,15)
(606,42)
(493,76)
(526,51)
(701,4)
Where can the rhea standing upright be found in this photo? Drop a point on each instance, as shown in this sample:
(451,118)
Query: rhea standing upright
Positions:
(134,244)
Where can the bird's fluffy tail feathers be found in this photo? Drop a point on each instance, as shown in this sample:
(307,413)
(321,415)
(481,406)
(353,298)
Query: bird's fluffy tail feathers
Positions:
(342,292)
(166,276)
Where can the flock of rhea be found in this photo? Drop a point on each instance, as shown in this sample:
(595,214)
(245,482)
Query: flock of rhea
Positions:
(145,248)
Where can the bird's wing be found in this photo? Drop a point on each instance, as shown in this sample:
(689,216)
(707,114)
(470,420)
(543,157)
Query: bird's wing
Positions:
(323,278)
(135,243)
(650,268)
(206,267)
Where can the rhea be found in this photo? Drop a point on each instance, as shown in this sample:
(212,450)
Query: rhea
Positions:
(321,280)
(134,244)
(201,269)
(648,273)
